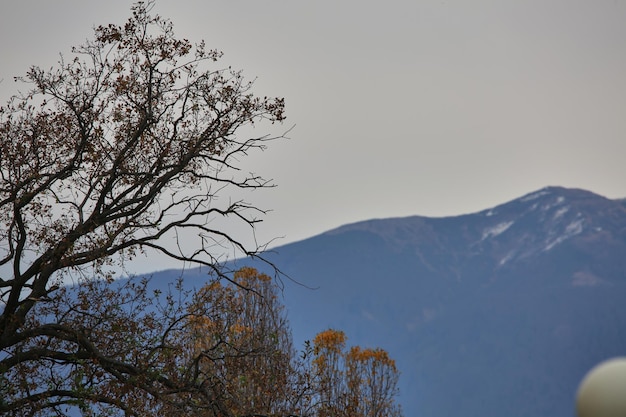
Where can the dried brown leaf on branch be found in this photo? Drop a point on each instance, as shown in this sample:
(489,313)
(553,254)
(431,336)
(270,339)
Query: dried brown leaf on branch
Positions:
(129,145)
(125,146)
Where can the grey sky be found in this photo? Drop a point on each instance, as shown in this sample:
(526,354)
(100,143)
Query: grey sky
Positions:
(401,107)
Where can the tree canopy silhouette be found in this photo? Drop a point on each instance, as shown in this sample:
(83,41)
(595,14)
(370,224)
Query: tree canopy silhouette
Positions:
(115,151)
(125,147)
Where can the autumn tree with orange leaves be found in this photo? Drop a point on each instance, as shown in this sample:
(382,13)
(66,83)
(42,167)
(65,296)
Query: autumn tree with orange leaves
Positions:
(353,382)
(242,340)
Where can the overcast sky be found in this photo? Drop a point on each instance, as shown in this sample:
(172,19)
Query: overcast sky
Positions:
(400,107)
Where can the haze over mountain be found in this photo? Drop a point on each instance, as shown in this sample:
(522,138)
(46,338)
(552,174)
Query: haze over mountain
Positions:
(494,313)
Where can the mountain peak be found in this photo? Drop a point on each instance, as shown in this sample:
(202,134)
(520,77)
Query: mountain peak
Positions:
(548,197)
(551,196)
(533,224)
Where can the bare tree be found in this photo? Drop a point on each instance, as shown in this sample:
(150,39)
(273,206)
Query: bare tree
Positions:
(129,142)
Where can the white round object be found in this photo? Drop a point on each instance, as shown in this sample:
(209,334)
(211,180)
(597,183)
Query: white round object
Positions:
(602,392)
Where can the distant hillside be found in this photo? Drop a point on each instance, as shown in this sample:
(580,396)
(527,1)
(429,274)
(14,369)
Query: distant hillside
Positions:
(496,313)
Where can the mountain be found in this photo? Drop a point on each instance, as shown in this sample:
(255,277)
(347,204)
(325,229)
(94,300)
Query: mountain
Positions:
(494,313)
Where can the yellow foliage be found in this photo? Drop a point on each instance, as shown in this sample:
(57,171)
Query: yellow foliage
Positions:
(333,340)
(376,355)
(248,276)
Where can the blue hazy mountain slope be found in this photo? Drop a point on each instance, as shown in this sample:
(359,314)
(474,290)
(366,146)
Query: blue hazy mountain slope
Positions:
(494,313)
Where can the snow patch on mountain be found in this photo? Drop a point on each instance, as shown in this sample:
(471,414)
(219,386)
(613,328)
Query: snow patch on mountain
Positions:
(507,258)
(585,279)
(496,230)
(368,315)
(534,196)
(560,212)
(547,207)
(572,229)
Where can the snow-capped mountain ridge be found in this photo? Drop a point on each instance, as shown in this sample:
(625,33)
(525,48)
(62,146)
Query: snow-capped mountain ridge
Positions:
(555,214)
(536,223)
